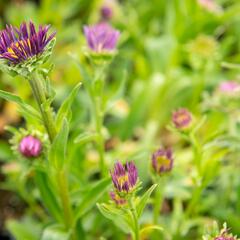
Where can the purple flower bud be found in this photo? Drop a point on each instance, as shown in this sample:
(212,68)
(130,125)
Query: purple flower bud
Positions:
(162,161)
(101,37)
(229,87)
(182,118)
(30,146)
(106,12)
(117,199)
(224,235)
(20,44)
(124,177)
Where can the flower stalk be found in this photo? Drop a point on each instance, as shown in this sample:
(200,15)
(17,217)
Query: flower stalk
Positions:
(46,112)
(158,199)
(135,219)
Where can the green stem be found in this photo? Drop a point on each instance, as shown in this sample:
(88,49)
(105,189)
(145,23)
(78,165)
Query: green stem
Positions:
(158,198)
(135,218)
(65,200)
(197,149)
(96,93)
(46,112)
(100,139)
(196,195)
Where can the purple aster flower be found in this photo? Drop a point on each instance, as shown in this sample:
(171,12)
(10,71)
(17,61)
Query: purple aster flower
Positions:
(106,12)
(182,118)
(101,37)
(30,146)
(229,87)
(162,160)
(117,199)
(124,177)
(20,44)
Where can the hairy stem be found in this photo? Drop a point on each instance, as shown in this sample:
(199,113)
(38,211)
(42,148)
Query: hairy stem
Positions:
(46,112)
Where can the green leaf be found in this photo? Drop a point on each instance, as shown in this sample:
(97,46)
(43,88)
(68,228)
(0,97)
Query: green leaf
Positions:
(48,197)
(27,229)
(151,228)
(55,232)
(120,218)
(57,154)
(85,138)
(143,200)
(119,92)
(65,109)
(90,197)
(25,108)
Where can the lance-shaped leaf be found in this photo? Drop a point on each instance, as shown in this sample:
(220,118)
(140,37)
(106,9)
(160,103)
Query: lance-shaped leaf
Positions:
(143,200)
(57,154)
(65,109)
(25,108)
(89,198)
(48,196)
(121,218)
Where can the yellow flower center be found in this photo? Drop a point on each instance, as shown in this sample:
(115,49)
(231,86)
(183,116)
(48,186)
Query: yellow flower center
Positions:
(163,162)
(123,179)
(16,44)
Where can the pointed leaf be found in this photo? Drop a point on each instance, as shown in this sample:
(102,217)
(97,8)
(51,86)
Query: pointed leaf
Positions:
(57,152)
(25,108)
(90,197)
(143,200)
(65,109)
(47,194)
(117,216)
(85,138)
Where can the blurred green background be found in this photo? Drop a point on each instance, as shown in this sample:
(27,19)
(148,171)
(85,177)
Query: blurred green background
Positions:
(171,55)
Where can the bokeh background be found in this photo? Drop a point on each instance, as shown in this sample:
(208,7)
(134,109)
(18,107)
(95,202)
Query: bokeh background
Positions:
(171,54)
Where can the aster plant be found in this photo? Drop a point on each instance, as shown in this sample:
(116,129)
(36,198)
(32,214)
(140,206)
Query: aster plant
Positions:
(125,207)
(24,52)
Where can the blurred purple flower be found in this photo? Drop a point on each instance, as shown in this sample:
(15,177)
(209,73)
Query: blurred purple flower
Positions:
(224,238)
(225,235)
(162,160)
(229,87)
(101,37)
(124,177)
(182,118)
(30,146)
(210,5)
(117,199)
(19,44)
(106,12)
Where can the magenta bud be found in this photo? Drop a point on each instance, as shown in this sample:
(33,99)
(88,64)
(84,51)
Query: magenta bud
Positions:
(124,177)
(162,161)
(30,147)
(101,37)
(182,118)
(106,12)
